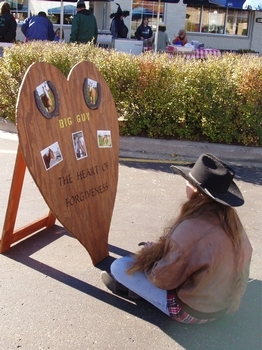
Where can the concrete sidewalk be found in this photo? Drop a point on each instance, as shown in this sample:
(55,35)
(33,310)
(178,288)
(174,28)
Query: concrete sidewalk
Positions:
(175,150)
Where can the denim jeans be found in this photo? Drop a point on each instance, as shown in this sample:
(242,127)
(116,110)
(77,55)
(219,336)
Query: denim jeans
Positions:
(139,284)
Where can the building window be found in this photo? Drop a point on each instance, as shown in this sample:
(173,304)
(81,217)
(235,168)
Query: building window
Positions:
(217,20)
(19,9)
(237,22)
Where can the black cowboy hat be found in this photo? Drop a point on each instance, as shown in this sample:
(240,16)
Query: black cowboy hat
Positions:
(119,13)
(214,178)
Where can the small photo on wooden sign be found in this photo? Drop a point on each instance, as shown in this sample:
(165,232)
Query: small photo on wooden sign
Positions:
(46,96)
(51,155)
(79,145)
(47,100)
(104,138)
(92,93)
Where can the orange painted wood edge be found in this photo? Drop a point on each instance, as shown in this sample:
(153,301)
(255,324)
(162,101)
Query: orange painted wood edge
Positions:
(9,236)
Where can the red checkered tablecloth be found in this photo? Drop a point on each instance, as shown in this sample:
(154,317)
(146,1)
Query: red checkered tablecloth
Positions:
(203,53)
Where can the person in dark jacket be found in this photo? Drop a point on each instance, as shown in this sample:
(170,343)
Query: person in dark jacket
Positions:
(84,26)
(38,28)
(8,24)
(118,28)
(144,31)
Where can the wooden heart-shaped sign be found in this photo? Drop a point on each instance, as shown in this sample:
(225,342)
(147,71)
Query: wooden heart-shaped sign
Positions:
(68,134)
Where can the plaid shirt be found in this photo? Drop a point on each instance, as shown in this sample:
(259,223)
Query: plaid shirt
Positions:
(178,314)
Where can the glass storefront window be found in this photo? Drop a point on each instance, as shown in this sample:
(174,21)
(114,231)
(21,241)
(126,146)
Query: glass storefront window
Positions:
(193,18)
(21,9)
(237,22)
(213,21)
(217,20)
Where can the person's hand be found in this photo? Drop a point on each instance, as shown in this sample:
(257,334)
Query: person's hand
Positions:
(146,244)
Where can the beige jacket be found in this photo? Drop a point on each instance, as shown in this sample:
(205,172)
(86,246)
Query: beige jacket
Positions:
(200,264)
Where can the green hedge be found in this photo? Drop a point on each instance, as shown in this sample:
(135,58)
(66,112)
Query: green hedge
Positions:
(158,95)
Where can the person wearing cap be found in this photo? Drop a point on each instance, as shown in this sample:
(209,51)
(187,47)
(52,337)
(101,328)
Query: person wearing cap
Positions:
(198,269)
(162,39)
(38,28)
(84,26)
(118,28)
(181,39)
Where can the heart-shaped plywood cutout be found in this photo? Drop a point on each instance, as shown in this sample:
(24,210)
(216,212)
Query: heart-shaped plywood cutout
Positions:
(68,134)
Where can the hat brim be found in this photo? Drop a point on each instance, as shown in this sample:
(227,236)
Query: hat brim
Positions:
(124,13)
(233,197)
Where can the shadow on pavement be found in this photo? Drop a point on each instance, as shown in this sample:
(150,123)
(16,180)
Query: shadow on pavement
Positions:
(239,331)
(250,174)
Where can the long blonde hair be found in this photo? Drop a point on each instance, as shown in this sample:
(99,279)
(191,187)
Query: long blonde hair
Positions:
(194,207)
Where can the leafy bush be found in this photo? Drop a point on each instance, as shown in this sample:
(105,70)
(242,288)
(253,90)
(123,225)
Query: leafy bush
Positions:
(158,95)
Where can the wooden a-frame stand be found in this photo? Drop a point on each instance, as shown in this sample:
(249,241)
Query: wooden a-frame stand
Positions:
(9,236)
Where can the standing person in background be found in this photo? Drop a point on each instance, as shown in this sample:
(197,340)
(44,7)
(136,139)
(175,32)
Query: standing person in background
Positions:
(84,26)
(38,28)
(118,28)
(8,24)
(181,38)
(162,40)
(144,31)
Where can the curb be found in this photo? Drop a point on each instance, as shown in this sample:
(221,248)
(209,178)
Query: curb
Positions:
(174,150)
(7,126)
(138,147)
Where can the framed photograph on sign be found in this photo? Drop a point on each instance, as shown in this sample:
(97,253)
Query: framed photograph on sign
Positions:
(79,145)
(51,155)
(92,93)
(47,100)
(104,138)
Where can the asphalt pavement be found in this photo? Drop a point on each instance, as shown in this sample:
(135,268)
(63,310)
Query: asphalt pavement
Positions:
(51,294)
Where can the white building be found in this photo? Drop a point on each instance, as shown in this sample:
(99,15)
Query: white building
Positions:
(226,28)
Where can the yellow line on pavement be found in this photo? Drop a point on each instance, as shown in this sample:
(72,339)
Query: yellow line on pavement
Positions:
(157,161)
(7,151)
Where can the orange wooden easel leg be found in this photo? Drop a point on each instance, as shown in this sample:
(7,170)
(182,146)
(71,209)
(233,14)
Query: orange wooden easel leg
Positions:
(10,236)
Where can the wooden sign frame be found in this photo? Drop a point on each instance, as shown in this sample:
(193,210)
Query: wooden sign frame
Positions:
(69,142)
(9,235)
